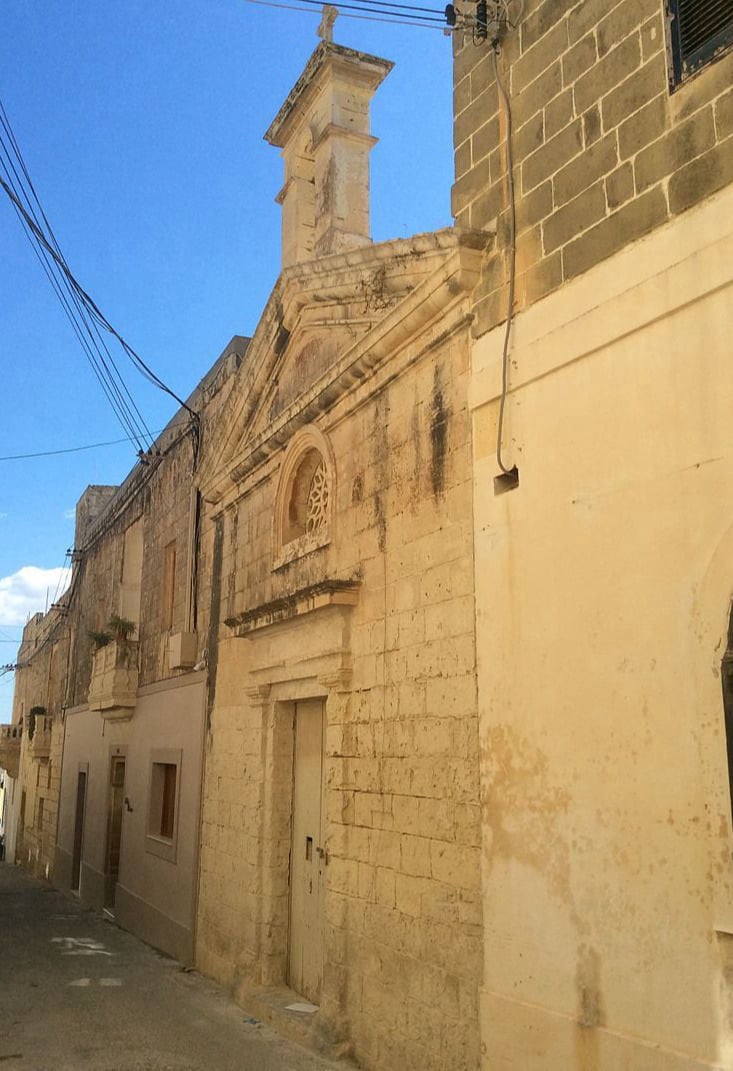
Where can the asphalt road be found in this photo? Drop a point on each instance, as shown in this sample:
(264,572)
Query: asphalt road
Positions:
(78,993)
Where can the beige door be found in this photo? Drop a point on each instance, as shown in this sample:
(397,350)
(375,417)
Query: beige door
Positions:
(308,856)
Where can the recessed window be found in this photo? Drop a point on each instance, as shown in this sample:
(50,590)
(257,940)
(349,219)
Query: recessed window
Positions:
(308,500)
(165,776)
(700,32)
(303,521)
(163,800)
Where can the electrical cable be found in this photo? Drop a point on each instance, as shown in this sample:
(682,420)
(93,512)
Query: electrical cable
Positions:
(63,574)
(81,323)
(119,410)
(362,7)
(347,15)
(130,416)
(53,249)
(71,449)
(376,4)
(111,383)
(512,264)
(5,123)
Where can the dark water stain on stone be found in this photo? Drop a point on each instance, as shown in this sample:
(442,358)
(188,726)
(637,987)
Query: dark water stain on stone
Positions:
(439,417)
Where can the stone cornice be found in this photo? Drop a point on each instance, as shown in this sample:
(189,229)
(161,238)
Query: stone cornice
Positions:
(360,66)
(304,601)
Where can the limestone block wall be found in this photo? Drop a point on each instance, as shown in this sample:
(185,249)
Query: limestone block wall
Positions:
(40,682)
(603,154)
(403,913)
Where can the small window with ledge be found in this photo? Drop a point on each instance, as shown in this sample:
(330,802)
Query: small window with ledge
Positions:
(163,804)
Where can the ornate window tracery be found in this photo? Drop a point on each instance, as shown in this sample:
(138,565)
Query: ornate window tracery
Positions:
(305,498)
(316,514)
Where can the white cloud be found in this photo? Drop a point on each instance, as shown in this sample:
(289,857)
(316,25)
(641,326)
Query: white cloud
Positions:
(24,592)
(69,514)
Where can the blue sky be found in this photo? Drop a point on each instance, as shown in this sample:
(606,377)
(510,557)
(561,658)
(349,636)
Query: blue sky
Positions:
(141,125)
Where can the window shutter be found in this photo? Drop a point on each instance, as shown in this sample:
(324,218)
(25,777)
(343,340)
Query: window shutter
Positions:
(701,30)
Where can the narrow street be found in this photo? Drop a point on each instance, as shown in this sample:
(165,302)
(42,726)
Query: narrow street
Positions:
(76,992)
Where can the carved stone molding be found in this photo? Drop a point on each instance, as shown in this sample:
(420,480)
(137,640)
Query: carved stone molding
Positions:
(304,601)
(258,695)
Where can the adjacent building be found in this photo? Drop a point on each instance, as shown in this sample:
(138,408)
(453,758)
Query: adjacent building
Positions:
(604,564)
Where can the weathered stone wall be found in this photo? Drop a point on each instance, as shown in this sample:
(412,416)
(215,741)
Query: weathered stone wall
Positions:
(160,494)
(403,919)
(603,153)
(56,653)
(40,682)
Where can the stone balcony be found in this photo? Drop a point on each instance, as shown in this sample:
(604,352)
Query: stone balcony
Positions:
(10,737)
(39,744)
(113,685)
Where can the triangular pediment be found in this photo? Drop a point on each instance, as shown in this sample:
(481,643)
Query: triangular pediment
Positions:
(308,354)
(325,324)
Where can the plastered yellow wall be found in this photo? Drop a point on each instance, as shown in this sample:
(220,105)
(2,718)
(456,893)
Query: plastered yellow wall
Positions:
(604,584)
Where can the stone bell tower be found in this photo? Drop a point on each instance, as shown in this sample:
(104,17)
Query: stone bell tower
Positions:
(323,131)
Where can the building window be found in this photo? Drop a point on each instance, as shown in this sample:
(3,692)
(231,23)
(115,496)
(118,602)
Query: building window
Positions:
(163,807)
(308,501)
(169,584)
(39,815)
(700,31)
(304,507)
(163,800)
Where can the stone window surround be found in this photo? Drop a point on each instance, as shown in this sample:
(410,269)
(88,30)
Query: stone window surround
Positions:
(164,847)
(284,550)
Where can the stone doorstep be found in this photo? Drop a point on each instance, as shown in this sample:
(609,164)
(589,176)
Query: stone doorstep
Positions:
(269,1004)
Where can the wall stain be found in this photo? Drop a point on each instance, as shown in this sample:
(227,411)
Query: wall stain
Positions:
(522,808)
(590,1007)
(439,417)
(215,614)
(380,439)
(418,464)
(232,578)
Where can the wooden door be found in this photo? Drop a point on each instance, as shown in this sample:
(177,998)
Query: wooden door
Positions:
(114,829)
(307,857)
(81,795)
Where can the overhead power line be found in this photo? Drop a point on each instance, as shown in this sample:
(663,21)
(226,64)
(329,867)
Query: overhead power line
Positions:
(436,16)
(70,449)
(85,316)
(398,20)
(29,210)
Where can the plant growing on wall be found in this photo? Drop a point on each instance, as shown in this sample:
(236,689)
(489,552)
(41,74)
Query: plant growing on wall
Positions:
(99,639)
(118,629)
(121,628)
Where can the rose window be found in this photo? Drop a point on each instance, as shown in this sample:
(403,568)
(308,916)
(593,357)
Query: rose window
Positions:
(316,514)
(307,511)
